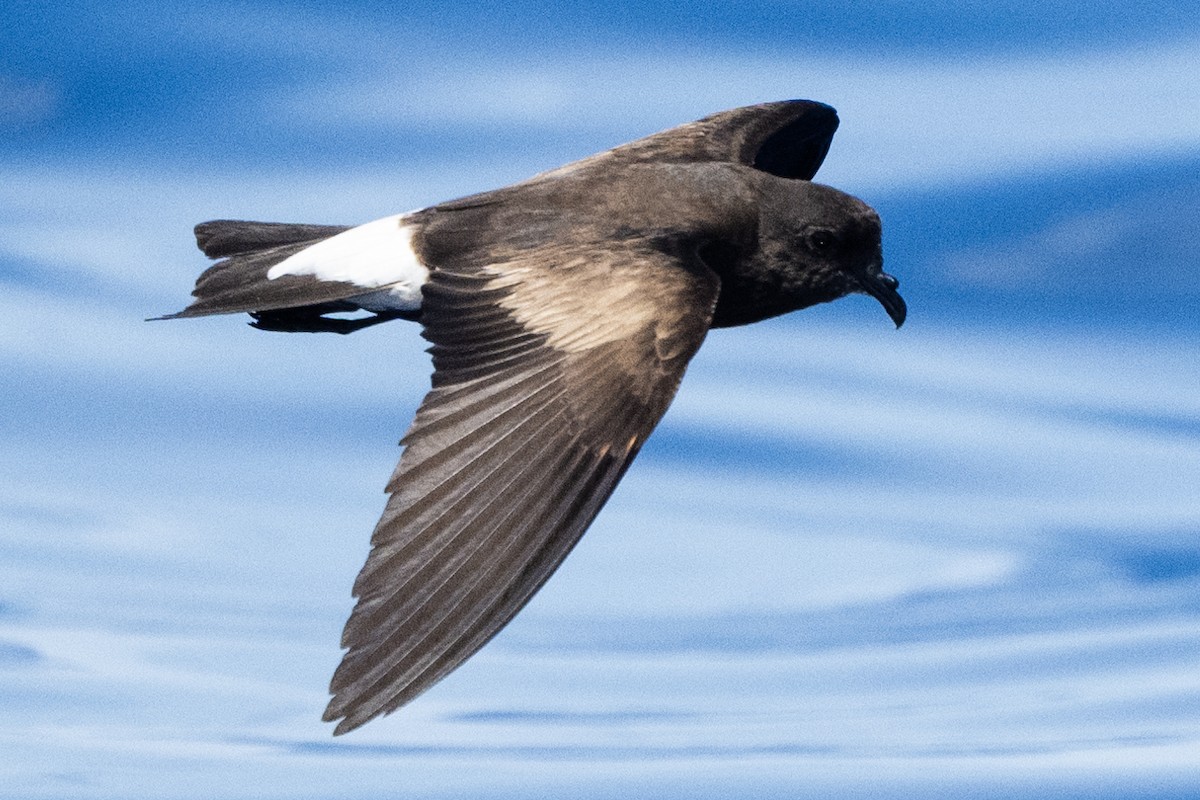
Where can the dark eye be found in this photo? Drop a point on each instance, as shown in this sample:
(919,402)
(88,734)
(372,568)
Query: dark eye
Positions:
(822,241)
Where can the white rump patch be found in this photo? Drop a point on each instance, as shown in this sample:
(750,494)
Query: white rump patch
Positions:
(377,256)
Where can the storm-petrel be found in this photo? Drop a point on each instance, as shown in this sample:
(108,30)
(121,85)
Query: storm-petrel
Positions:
(562,312)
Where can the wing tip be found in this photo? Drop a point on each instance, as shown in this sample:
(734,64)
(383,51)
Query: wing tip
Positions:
(344,724)
(349,717)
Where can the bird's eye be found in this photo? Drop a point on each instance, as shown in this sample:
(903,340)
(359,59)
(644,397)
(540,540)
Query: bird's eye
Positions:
(821,241)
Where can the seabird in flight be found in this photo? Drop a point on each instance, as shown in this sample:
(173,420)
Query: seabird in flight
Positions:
(562,312)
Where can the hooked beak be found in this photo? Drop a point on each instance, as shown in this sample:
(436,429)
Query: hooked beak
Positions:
(883,287)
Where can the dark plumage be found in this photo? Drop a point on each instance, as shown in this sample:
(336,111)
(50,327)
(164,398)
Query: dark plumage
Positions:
(562,312)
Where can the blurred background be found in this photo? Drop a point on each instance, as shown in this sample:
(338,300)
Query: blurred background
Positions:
(957,560)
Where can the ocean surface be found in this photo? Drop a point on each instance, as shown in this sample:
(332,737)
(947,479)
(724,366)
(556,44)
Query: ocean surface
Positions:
(961,559)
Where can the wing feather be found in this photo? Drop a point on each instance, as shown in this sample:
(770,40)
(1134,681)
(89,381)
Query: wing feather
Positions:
(412,618)
(789,139)
(449,492)
(539,403)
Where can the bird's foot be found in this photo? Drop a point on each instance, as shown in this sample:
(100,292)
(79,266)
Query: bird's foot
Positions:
(312,320)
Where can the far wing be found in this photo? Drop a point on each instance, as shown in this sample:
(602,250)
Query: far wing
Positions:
(551,369)
(788,139)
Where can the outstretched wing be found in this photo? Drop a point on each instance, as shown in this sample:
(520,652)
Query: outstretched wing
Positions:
(551,369)
(789,139)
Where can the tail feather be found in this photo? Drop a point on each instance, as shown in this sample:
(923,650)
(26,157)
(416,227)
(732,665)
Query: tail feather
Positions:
(228,237)
(248,250)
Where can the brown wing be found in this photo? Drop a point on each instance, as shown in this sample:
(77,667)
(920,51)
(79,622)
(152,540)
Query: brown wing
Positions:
(789,139)
(551,369)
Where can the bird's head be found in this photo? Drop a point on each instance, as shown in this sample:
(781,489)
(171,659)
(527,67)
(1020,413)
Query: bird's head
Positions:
(816,244)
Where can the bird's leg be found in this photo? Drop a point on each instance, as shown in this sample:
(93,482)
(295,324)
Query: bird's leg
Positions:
(311,319)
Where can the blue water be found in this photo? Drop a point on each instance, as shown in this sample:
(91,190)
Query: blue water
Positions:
(955,560)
